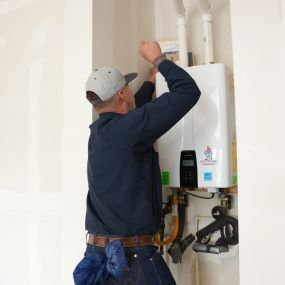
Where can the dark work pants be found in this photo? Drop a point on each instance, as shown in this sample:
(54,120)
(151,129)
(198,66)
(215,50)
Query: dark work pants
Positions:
(145,267)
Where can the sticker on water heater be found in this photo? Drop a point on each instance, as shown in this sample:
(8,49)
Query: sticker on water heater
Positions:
(208,176)
(165,177)
(208,153)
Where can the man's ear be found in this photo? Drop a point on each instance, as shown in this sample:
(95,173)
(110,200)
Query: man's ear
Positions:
(122,95)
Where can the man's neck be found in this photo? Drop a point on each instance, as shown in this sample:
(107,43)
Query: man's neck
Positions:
(121,111)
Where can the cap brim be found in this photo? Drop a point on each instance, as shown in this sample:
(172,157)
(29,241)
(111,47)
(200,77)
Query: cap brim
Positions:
(130,76)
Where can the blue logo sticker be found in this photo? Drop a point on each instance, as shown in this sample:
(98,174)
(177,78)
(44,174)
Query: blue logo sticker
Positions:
(208,176)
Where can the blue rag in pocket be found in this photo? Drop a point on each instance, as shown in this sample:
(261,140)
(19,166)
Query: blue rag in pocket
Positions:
(95,268)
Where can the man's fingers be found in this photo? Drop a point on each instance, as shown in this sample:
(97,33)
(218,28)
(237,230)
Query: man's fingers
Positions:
(149,50)
(142,43)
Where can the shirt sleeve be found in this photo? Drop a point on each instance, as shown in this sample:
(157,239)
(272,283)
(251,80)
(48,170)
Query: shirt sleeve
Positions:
(144,94)
(146,124)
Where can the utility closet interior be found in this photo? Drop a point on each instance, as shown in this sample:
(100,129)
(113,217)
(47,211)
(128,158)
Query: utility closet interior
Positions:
(222,164)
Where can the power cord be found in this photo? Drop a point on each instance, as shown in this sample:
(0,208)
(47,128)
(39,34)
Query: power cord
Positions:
(211,197)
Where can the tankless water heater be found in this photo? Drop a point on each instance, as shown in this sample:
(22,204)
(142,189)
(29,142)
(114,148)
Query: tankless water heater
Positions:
(200,150)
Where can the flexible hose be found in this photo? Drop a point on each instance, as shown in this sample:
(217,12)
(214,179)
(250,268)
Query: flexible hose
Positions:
(181,215)
(175,222)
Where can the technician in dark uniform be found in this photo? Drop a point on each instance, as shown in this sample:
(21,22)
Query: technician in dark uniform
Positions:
(124,202)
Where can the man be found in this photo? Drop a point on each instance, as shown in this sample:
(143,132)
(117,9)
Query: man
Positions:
(124,203)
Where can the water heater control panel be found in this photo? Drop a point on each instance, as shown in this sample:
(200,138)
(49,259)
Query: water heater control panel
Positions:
(188,169)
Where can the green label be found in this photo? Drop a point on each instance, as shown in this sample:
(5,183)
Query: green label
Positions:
(165,178)
(235,179)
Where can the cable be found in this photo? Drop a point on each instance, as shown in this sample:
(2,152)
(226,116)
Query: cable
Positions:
(211,197)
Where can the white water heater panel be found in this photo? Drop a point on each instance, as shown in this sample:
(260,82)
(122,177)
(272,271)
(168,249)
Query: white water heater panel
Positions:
(202,141)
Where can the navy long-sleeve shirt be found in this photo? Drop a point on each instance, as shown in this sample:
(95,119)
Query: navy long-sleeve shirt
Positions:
(125,192)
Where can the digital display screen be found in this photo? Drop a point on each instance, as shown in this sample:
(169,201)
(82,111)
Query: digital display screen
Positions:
(188,163)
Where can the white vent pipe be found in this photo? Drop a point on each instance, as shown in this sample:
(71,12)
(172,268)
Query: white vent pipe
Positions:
(181,30)
(207,31)
(204,5)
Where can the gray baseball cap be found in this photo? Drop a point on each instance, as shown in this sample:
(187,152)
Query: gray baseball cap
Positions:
(102,84)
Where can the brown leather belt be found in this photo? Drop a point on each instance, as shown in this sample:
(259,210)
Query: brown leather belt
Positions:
(126,241)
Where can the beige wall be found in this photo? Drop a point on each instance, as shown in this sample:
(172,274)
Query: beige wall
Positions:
(258,29)
(45,55)
(118,28)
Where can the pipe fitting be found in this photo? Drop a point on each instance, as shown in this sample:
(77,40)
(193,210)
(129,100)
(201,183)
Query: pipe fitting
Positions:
(206,17)
(179,7)
(181,21)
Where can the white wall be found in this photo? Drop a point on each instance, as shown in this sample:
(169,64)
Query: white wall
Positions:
(45,55)
(128,22)
(124,23)
(258,29)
